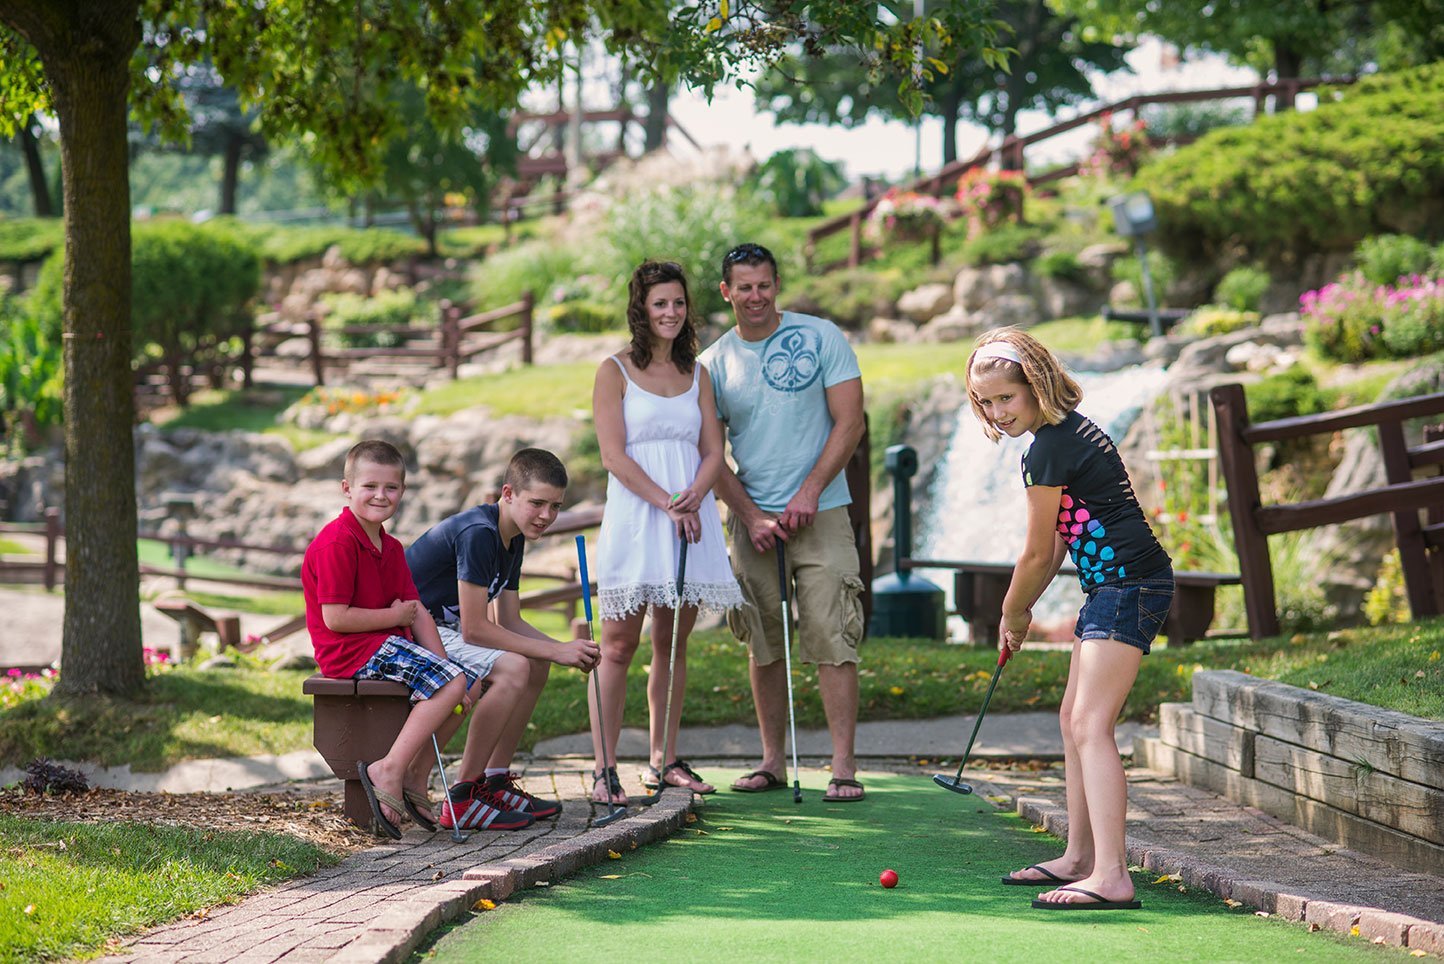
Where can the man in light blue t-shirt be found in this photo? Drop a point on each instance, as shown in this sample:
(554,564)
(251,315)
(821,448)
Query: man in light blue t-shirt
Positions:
(790,394)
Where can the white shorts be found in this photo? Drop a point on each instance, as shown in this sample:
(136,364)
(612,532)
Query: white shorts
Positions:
(478,660)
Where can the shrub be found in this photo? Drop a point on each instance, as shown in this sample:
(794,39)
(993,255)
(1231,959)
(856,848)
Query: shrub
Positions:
(1413,316)
(398,307)
(282,245)
(1385,258)
(1001,245)
(693,226)
(1213,320)
(536,266)
(583,315)
(1161,268)
(1118,153)
(1368,160)
(1242,288)
(1342,320)
(851,297)
(1059,264)
(1289,393)
(1193,120)
(905,216)
(990,198)
(796,182)
(32,393)
(30,239)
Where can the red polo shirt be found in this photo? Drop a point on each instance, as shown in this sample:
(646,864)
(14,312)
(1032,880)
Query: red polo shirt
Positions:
(342,566)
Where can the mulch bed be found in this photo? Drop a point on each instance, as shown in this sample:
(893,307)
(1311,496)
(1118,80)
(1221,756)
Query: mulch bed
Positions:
(311,815)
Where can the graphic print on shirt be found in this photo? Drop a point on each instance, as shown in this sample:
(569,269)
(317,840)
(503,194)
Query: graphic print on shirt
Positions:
(1084,535)
(793,360)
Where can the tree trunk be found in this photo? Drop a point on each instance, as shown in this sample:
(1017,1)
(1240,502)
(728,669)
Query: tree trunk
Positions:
(655,130)
(232,172)
(1287,64)
(39,189)
(949,108)
(85,47)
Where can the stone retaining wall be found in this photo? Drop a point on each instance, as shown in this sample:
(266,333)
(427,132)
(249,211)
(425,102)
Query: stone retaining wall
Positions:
(1369,778)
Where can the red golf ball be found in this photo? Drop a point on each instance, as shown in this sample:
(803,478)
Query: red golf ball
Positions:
(888,878)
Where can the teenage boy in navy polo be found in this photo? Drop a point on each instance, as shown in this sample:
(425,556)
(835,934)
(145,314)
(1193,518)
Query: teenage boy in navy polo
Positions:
(468,572)
(365,621)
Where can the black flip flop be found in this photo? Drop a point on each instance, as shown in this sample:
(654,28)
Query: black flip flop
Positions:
(772,782)
(387,827)
(409,799)
(655,782)
(1048,879)
(840,781)
(1097,903)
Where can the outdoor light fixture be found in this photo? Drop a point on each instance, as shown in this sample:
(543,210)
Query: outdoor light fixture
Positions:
(1133,217)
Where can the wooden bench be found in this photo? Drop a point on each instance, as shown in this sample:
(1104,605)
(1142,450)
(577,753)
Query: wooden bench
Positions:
(194,620)
(979,588)
(355,720)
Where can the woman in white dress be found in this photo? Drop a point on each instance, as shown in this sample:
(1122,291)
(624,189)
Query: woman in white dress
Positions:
(661,444)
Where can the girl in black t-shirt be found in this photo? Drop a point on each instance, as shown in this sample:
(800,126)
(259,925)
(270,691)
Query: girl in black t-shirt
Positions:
(1080,503)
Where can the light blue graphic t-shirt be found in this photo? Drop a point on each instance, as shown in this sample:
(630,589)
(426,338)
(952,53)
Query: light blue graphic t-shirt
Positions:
(772,396)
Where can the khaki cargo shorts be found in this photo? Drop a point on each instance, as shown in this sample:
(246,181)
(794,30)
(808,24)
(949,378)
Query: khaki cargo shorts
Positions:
(825,591)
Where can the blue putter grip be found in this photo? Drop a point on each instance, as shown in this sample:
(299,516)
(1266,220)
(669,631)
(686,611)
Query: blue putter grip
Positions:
(586,583)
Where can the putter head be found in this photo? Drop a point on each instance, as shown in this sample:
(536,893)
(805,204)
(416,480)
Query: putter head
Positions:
(796,792)
(647,801)
(957,786)
(456,834)
(609,817)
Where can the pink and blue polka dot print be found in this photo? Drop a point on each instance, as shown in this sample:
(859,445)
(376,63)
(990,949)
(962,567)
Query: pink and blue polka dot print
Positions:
(1085,537)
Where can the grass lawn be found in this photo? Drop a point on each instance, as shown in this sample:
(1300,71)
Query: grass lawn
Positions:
(9,547)
(73,889)
(191,714)
(758,878)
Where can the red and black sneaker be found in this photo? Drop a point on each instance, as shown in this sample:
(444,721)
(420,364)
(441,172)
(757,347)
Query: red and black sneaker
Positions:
(505,787)
(473,807)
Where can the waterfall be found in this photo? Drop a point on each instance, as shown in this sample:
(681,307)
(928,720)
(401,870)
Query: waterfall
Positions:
(979,510)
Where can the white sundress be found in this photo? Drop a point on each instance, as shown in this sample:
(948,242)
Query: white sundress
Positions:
(638,545)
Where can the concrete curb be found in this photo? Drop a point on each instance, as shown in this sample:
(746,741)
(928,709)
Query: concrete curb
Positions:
(1370,923)
(405,925)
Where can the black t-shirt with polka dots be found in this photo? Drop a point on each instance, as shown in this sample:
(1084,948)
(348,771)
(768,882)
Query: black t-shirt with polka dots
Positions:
(1100,518)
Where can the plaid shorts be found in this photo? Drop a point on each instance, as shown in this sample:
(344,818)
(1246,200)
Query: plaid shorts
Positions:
(422,671)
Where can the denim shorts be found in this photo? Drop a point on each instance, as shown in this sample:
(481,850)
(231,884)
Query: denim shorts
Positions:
(422,671)
(1131,611)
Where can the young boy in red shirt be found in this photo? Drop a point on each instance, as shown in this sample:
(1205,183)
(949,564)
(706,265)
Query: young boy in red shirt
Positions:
(366,622)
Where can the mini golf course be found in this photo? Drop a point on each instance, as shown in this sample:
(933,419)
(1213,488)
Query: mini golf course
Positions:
(759,878)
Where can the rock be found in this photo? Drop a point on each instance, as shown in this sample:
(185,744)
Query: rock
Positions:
(325,461)
(1009,309)
(295,307)
(975,287)
(386,280)
(1124,293)
(299,661)
(1062,298)
(1254,357)
(925,302)
(333,260)
(1211,354)
(353,280)
(1109,356)
(956,325)
(1165,350)
(891,330)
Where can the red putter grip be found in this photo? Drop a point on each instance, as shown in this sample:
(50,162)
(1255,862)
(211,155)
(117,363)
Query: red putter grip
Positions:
(1005,654)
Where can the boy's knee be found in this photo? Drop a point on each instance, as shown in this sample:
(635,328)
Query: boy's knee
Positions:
(510,669)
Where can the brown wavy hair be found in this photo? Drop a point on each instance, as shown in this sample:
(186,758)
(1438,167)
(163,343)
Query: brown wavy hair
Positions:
(648,275)
(1056,391)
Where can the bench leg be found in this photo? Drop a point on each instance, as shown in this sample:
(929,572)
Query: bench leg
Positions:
(1191,614)
(357,808)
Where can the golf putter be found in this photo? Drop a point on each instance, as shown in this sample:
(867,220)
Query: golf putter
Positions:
(456,833)
(613,812)
(662,784)
(787,659)
(955,784)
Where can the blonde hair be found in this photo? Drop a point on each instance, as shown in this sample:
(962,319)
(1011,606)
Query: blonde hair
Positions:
(1037,368)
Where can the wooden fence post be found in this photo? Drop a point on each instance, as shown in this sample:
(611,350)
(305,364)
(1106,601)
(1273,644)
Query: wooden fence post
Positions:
(248,354)
(450,339)
(854,250)
(52,539)
(1241,478)
(1433,516)
(528,305)
(1408,534)
(313,332)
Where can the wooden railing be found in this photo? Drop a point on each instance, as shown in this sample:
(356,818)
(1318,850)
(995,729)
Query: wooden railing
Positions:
(1012,150)
(51,571)
(453,344)
(1420,545)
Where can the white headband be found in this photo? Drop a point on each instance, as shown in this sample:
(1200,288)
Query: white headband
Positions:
(998,349)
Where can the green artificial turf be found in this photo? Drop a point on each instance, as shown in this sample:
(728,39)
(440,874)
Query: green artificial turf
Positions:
(758,878)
